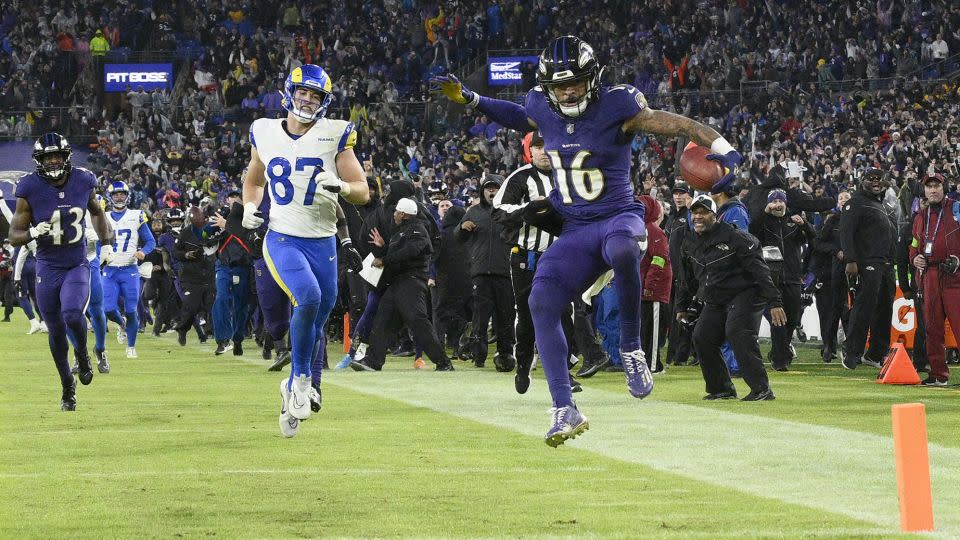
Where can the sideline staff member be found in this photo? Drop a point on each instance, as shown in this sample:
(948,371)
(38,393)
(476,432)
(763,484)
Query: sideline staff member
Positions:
(868,240)
(935,251)
(723,266)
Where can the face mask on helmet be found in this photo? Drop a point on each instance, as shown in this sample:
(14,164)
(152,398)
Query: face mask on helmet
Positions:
(119,199)
(52,153)
(569,75)
(302,79)
(176,225)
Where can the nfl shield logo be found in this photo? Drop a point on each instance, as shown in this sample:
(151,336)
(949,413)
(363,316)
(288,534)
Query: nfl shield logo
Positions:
(570,129)
(62,194)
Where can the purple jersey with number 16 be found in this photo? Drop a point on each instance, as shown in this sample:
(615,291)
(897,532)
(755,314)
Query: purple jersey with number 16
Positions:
(65,208)
(589,154)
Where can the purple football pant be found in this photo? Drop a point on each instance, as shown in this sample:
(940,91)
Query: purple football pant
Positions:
(581,254)
(274,303)
(62,297)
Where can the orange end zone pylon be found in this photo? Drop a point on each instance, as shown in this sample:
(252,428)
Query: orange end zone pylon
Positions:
(898,368)
(913,467)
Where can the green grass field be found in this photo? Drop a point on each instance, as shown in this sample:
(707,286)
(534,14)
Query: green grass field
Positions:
(180,443)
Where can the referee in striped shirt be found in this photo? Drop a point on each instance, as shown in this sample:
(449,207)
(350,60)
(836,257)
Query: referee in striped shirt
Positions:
(529,183)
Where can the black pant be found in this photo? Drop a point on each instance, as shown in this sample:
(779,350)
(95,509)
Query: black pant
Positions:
(739,323)
(451,312)
(654,320)
(404,302)
(8,294)
(780,336)
(358,290)
(196,299)
(872,311)
(493,296)
(166,303)
(679,346)
(522,284)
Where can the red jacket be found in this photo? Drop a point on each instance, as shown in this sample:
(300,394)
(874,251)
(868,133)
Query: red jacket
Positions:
(655,266)
(945,243)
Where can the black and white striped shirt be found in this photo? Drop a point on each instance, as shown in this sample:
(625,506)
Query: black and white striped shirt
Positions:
(522,186)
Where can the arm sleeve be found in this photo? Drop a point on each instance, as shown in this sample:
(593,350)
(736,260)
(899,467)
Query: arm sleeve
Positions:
(507,205)
(801,200)
(687,283)
(914,248)
(848,225)
(505,113)
(462,234)
(415,245)
(748,252)
(18,264)
(180,249)
(149,242)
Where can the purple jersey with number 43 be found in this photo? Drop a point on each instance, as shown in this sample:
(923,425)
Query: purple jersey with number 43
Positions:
(590,155)
(65,208)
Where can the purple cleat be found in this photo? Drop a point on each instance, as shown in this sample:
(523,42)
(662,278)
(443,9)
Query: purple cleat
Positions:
(567,424)
(639,378)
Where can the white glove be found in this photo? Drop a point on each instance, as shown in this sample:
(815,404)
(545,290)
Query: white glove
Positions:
(106,255)
(91,235)
(250,218)
(335,185)
(39,229)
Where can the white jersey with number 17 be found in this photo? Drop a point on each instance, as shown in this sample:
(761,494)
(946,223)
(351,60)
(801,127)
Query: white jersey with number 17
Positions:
(294,169)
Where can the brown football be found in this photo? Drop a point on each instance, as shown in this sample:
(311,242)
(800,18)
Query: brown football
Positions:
(697,170)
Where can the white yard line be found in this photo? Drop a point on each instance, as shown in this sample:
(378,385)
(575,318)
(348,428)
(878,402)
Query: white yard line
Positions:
(831,469)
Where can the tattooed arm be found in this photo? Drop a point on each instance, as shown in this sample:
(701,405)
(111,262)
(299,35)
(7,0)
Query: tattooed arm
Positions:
(671,125)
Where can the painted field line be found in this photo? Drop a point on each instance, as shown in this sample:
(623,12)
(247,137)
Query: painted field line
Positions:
(831,469)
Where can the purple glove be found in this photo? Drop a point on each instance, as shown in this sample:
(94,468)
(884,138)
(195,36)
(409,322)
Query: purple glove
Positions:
(729,162)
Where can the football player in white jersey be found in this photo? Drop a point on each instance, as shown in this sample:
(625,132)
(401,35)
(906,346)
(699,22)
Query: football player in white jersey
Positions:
(120,275)
(306,160)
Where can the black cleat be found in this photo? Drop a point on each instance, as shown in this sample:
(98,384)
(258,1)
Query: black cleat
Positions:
(521,381)
(238,348)
(221,348)
(869,362)
(780,368)
(589,369)
(68,401)
(102,365)
(283,358)
(850,362)
(727,394)
(182,337)
(504,362)
(933,381)
(85,370)
(763,395)
(316,402)
(575,385)
(362,365)
(446,366)
(266,353)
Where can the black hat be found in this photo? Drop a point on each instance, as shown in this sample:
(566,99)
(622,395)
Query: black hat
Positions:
(682,187)
(536,139)
(491,179)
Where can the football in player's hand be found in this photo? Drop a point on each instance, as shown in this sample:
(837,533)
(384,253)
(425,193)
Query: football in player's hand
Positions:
(697,170)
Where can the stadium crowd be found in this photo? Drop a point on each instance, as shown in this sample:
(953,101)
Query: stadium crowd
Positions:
(851,87)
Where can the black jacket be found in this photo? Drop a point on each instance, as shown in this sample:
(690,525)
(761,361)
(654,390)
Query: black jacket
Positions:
(677,230)
(722,263)
(235,241)
(867,235)
(789,237)
(407,253)
(199,268)
(825,249)
(798,200)
(381,218)
(452,260)
(489,253)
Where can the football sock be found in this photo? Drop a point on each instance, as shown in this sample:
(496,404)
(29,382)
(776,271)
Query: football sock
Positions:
(303,338)
(98,320)
(547,306)
(623,254)
(133,326)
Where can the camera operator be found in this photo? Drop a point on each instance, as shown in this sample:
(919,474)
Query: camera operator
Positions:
(868,240)
(935,252)
(724,268)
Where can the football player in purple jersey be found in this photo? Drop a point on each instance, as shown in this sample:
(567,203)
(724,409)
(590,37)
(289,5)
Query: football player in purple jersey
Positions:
(52,204)
(588,128)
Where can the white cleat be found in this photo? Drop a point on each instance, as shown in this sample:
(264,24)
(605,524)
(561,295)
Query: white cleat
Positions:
(43,327)
(121,335)
(35,327)
(299,401)
(289,425)
(361,352)
(131,352)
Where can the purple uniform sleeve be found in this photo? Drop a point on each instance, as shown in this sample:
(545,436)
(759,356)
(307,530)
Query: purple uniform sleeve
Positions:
(626,100)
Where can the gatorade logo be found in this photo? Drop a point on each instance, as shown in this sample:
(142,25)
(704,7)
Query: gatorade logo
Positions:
(904,316)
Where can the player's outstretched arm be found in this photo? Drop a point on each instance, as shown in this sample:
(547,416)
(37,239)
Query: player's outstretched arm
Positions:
(352,185)
(673,125)
(506,113)
(253,182)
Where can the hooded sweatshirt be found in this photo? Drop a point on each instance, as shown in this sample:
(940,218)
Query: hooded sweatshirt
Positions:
(655,267)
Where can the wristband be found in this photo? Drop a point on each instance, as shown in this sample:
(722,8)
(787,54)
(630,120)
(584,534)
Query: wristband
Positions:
(346,242)
(721,146)
(473,101)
